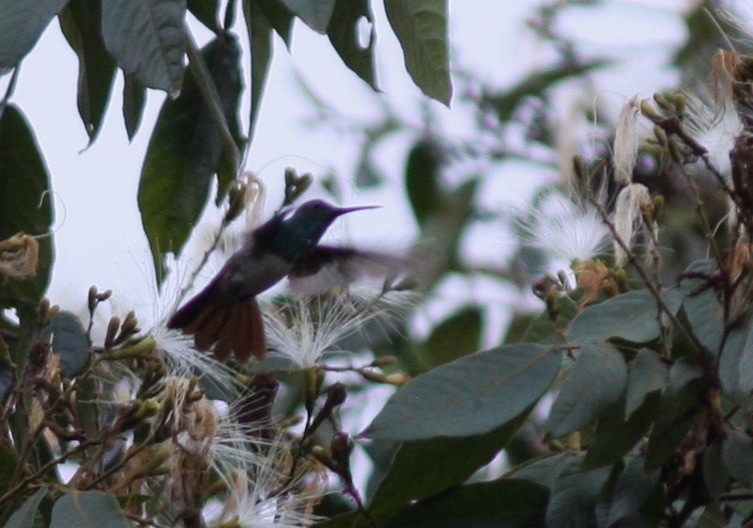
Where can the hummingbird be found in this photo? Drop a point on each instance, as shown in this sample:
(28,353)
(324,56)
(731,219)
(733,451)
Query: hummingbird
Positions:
(226,313)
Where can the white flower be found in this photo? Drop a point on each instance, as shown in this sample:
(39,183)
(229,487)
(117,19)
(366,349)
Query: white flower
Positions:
(183,359)
(628,218)
(627,141)
(266,498)
(561,228)
(307,327)
(716,129)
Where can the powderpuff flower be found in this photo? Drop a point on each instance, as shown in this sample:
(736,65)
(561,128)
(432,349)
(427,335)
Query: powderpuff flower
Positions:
(200,428)
(308,327)
(183,359)
(716,128)
(626,141)
(628,218)
(265,497)
(564,229)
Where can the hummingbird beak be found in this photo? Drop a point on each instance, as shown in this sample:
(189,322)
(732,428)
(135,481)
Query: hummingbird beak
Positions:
(344,210)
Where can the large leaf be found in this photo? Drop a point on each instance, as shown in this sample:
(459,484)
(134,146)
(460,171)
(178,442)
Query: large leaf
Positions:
(84,509)
(6,377)
(80,22)
(677,412)
(702,308)
(147,39)
(24,516)
(737,455)
(69,339)
(736,361)
(421,28)
(25,203)
(597,381)
(315,13)
(343,33)
(453,338)
(21,24)
(260,35)
(630,317)
(279,16)
(185,151)
(507,503)
(543,470)
(648,374)
(8,465)
(633,489)
(414,473)
(715,473)
(422,178)
(574,494)
(469,396)
(134,99)
(614,436)
(206,12)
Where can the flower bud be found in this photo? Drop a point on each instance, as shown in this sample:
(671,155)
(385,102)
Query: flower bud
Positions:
(112,331)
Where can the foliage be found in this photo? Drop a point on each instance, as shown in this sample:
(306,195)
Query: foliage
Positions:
(625,402)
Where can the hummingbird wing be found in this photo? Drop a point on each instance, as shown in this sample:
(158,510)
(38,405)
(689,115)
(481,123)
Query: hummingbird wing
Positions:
(325,268)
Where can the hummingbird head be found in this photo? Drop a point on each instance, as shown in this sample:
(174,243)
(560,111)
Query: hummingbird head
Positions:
(308,223)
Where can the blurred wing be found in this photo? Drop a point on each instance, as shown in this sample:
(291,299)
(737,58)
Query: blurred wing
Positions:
(328,267)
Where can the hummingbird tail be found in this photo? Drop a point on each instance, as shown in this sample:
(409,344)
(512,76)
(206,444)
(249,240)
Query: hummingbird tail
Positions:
(236,328)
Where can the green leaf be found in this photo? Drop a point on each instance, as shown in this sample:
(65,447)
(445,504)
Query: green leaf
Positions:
(315,13)
(421,28)
(80,23)
(544,470)
(633,490)
(343,34)
(453,338)
(260,34)
(414,473)
(737,454)
(614,437)
(206,12)
(25,204)
(677,413)
(147,39)
(648,374)
(574,494)
(69,339)
(469,396)
(8,465)
(422,178)
(505,103)
(84,509)
(185,151)
(715,473)
(21,24)
(630,317)
(6,379)
(736,361)
(279,16)
(24,516)
(507,503)
(703,310)
(542,329)
(597,380)
(134,98)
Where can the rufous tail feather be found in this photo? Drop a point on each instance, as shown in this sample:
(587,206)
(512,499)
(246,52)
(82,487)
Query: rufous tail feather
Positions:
(236,328)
